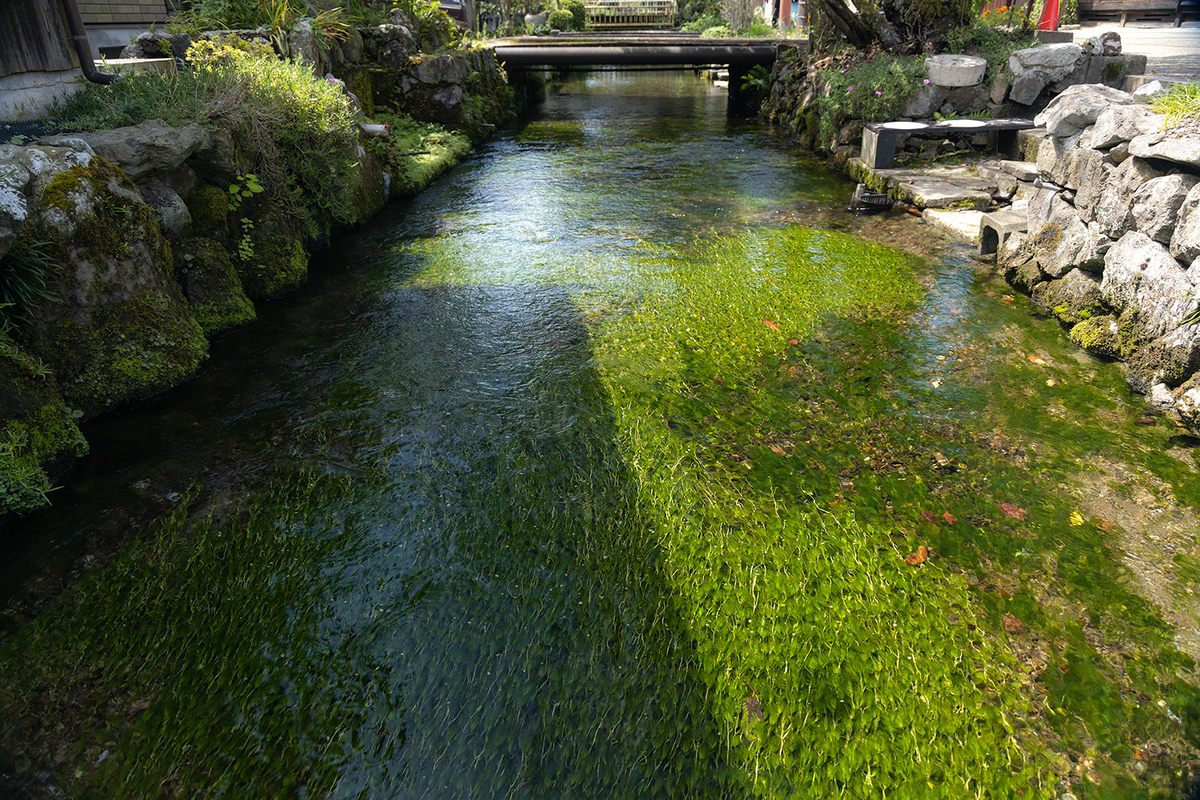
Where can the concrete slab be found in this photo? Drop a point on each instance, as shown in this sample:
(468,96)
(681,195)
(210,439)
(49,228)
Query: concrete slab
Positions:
(1021,170)
(940,194)
(996,227)
(962,224)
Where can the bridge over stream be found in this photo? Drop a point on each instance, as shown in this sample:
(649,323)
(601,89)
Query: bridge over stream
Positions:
(641,49)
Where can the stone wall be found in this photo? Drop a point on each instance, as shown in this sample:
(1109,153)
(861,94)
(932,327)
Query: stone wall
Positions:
(957,86)
(1113,248)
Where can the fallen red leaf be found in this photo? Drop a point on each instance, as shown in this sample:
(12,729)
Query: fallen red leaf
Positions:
(928,516)
(772,325)
(1014,625)
(1012,511)
(776,449)
(1145,421)
(793,342)
(918,558)
(950,518)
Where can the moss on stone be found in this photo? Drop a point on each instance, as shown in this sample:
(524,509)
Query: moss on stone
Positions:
(1097,335)
(269,257)
(211,286)
(126,331)
(209,207)
(38,437)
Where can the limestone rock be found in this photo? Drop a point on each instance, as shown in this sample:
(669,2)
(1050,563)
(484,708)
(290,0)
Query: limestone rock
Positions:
(1027,86)
(1187,403)
(1149,90)
(1060,162)
(1078,107)
(218,160)
(352,46)
(389,45)
(1104,44)
(1116,194)
(1065,241)
(1185,241)
(1180,150)
(146,149)
(1072,298)
(173,216)
(1122,123)
(302,46)
(211,286)
(1015,260)
(1048,58)
(13,206)
(999,89)
(1154,208)
(926,101)
(1094,170)
(955,70)
(1139,274)
(940,194)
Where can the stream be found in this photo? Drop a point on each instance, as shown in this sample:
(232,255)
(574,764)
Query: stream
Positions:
(623,462)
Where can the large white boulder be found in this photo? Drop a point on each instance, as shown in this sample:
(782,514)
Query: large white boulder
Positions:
(1078,107)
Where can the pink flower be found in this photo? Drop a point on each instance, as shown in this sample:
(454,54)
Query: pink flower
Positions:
(878,93)
(851,89)
(926,80)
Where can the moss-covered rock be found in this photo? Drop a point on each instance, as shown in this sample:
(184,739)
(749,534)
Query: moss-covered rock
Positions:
(209,207)
(1073,298)
(212,286)
(268,255)
(38,436)
(1097,335)
(117,327)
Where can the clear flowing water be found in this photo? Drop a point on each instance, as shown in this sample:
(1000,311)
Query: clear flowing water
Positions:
(590,472)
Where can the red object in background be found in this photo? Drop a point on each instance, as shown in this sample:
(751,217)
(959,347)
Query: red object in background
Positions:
(1049,20)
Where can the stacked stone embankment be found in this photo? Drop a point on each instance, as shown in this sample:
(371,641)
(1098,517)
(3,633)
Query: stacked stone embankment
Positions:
(152,238)
(1113,241)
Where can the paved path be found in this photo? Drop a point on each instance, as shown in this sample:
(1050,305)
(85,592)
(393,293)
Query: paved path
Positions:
(1171,52)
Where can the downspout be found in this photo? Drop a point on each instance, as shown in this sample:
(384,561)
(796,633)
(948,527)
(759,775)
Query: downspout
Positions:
(79,36)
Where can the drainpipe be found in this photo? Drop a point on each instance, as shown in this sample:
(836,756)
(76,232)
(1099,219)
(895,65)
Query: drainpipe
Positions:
(79,36)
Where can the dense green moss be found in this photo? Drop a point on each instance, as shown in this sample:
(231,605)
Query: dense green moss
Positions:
(212,286)
(209,207)
(269,258)
(38,434)
(1097,335)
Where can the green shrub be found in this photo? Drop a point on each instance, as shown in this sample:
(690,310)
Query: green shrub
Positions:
(560,19)
(718,32)
(578,12)
(711,19)
(873,91)
(298,129)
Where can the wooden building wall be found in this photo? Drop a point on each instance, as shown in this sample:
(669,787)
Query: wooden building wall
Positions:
(33,37)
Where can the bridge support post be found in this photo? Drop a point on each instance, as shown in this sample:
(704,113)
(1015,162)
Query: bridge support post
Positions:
(738,98)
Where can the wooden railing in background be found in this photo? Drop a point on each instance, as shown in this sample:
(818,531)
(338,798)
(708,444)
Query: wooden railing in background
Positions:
(630,13)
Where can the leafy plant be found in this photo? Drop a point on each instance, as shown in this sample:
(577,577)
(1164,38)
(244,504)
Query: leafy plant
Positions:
(578,12)
(873,91)
(24,271)
(244,188)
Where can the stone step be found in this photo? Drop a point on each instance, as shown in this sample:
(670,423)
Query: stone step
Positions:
(996,227)
(962,224)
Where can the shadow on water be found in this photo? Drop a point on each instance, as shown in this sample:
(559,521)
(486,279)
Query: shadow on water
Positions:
(435,582)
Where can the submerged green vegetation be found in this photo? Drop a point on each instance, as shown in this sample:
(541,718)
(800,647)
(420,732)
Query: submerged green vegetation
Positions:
(605,480)
(762,559)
